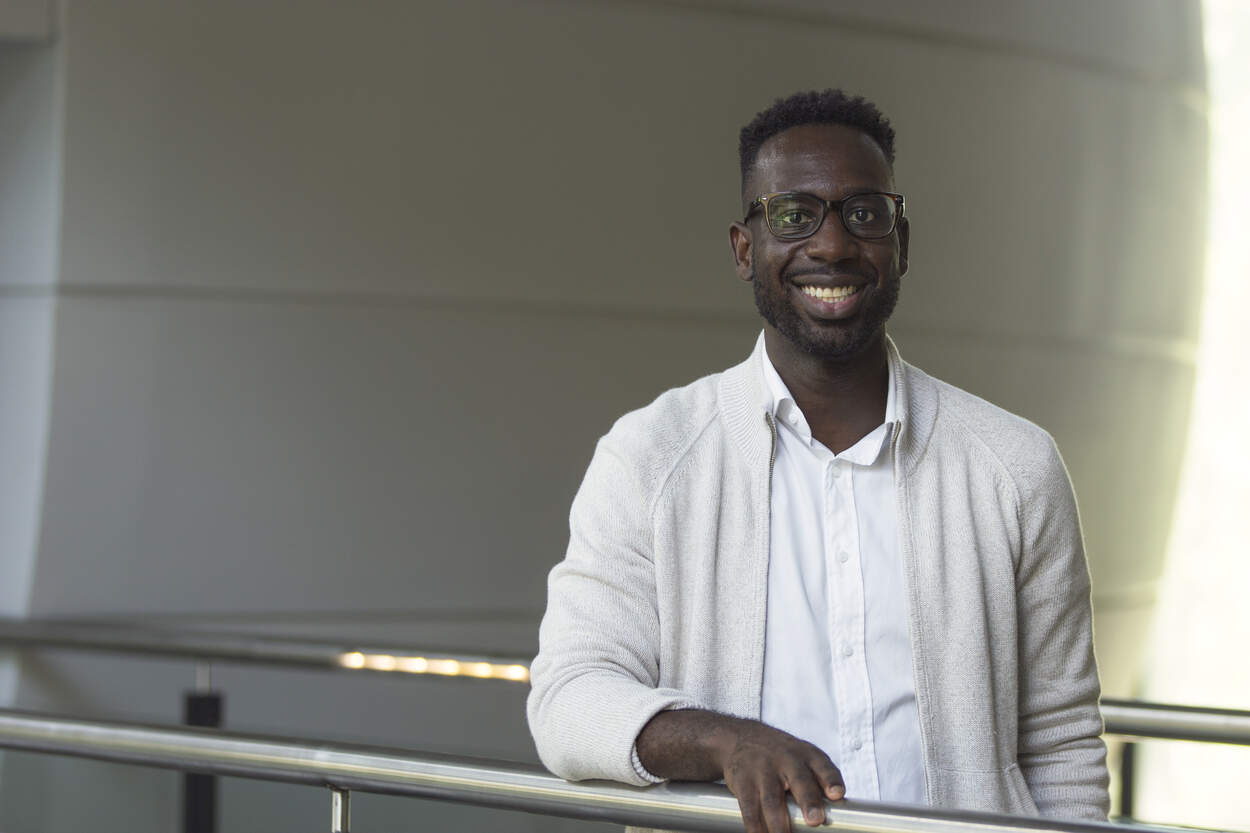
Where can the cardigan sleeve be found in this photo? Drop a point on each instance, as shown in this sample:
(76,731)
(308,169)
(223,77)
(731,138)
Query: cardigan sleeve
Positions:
(1061,753)
(595,679)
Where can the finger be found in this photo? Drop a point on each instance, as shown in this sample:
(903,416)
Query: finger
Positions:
(776,811)
(829,777)
(809,794)
(752,818)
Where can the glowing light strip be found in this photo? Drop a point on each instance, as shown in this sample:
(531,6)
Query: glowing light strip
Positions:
(442,666)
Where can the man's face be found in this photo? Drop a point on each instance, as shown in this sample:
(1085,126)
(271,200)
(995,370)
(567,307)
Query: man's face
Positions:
(793,278)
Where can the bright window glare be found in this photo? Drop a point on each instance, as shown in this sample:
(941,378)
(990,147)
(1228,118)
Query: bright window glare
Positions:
(1199,654)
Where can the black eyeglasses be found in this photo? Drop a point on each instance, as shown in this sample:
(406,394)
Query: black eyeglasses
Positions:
(793,215)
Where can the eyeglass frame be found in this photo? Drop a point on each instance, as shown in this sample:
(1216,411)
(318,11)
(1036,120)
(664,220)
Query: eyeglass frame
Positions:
(827,205)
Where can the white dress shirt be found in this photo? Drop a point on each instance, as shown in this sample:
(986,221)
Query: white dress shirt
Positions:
(837,656)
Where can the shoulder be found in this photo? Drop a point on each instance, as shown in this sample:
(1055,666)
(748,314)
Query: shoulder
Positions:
(647,444)
(1023,450)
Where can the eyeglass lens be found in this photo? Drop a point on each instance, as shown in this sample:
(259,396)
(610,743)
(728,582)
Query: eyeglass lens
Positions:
(799,215)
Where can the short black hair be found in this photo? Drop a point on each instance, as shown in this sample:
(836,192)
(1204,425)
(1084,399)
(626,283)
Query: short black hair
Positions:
(826,107)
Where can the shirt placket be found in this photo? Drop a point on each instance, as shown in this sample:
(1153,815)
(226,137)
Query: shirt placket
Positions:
(846,617)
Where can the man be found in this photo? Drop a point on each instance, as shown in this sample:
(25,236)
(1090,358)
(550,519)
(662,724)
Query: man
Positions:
(823,572)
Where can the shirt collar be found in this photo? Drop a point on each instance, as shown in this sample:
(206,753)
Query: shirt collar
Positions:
(780,403)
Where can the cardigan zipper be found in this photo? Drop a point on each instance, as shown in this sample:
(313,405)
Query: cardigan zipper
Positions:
(772,451)
(922,701)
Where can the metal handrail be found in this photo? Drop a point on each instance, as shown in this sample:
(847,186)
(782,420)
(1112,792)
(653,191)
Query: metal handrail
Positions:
(705,807)
(1123,717)
(202,646)
(1136,718)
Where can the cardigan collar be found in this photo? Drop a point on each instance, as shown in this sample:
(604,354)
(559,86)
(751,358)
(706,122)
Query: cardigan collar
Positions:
(744,403)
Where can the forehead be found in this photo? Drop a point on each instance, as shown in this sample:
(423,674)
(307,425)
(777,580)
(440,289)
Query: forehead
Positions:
(825,159)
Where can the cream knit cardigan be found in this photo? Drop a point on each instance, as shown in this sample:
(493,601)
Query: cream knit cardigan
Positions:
(660,600)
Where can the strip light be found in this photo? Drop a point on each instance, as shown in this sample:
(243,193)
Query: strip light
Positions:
(442,666)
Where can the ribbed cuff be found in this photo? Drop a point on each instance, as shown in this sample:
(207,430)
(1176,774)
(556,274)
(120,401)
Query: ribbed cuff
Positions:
(642,770)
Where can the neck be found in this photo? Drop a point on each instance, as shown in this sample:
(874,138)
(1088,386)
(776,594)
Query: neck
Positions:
(843,398)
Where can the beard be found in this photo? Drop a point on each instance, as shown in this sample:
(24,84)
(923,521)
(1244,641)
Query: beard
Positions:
(832,339)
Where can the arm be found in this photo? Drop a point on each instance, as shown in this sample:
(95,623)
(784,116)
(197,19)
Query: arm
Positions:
(596,677)
(1061,753)
(595,709)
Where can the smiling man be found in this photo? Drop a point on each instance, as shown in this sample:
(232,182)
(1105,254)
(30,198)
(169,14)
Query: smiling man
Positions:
(822,572)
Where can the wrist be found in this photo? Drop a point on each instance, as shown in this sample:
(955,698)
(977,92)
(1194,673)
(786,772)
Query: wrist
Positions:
(688,744)
(721,741)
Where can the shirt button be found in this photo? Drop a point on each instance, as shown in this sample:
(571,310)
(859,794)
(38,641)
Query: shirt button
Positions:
(847,650)
(857,745)
(843,557)
(794,418)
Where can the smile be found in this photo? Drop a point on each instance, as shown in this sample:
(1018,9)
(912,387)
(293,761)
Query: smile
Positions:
(827,294)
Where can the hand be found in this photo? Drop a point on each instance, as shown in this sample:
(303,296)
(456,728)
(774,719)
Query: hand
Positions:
(761,764)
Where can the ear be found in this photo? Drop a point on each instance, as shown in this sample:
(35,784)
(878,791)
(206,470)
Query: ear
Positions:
(904,238)
(740,245)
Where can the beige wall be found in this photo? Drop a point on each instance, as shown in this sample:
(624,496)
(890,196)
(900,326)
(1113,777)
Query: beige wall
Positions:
(27,21)
(344,294)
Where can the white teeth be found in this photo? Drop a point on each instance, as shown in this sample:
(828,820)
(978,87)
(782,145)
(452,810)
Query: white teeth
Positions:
(820,293)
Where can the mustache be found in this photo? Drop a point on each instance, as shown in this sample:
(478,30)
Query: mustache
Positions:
(831,274)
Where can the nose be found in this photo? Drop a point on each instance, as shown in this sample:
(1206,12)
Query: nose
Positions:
(832,242)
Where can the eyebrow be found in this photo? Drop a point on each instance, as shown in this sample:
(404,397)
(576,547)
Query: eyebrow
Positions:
(853,191)
(856,190)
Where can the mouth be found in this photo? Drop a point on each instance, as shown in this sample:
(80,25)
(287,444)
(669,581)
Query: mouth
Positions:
(828,294)
(831,301)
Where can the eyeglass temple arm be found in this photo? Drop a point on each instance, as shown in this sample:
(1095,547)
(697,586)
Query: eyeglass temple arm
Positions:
(755,203)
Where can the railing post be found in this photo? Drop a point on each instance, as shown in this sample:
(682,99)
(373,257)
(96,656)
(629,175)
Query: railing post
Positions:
(340,810)
(201,707)
(1128,759)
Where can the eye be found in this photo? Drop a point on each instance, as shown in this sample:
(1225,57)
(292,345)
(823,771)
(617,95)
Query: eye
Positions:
(793,217)
(793,213)
(861,216)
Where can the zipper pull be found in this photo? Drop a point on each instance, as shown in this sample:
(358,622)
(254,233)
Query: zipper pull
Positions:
(772,452)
